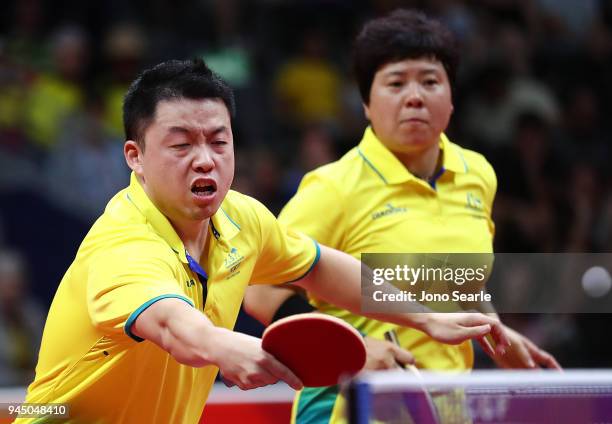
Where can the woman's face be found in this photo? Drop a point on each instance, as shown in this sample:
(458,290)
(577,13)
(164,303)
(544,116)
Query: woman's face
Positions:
(410,104)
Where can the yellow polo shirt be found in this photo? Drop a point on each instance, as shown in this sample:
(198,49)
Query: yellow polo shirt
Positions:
(131,258)
(368,202)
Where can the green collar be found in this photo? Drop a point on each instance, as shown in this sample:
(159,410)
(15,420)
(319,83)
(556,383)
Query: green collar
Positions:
(392,171)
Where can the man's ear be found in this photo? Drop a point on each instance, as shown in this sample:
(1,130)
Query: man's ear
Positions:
(133,156)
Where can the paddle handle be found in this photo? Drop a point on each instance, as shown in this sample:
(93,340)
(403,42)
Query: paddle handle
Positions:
(391,336)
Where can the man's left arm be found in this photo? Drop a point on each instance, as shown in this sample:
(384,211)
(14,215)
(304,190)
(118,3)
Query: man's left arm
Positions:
(336,278)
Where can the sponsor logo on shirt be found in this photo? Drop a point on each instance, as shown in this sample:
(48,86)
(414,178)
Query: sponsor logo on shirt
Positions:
(389,210)
(232,262)
(474,202)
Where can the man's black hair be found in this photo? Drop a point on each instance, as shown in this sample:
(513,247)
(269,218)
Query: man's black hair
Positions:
(173,79)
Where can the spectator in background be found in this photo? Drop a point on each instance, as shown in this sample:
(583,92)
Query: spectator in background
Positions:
(54,95)
(582,133)
(316,148)
(13,83)
(125,49)
(529,196)
(16,165)
(85,169)
(572,18)
(499,96)
(266,171)
(24,37)
(308,87)
(21,322)
(586,200)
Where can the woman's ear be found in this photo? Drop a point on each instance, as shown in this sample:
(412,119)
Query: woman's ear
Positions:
(366,111)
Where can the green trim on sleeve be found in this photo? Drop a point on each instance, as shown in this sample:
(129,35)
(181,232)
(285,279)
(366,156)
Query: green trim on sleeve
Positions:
(130,321)
(316,259)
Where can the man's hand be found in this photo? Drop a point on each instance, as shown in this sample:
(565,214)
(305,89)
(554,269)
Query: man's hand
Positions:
(523,353)
(244,363)
(382,355)
(455,328)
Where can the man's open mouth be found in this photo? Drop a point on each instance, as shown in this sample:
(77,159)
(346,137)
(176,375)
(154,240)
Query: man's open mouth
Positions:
(203,188)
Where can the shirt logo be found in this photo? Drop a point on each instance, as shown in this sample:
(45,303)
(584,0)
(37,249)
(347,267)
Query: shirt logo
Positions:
(232,262)
(389,210)
(474,202)
(190,283)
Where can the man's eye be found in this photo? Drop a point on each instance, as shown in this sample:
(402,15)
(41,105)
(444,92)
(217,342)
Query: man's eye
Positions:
(180,146)
(219,142)
(395,84)
(431,81)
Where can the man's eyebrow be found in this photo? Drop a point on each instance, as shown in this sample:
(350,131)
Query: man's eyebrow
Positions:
(179,129)
(176,129)
(217,130)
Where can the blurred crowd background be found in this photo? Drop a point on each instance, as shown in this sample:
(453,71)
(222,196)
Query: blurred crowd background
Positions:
(532,95)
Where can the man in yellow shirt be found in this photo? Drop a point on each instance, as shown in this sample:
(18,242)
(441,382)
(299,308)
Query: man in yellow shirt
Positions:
(141,322)
(406,188)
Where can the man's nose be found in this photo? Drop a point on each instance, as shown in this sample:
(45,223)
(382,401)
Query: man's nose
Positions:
(202,160)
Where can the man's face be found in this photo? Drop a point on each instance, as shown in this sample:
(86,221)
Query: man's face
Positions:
(187,165)
(410,104)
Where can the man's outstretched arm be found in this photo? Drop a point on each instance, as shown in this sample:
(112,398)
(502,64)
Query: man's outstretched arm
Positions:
(189,336)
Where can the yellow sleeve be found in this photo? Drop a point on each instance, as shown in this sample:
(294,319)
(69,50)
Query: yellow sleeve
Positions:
(125,279)
(285,255)
(317,210)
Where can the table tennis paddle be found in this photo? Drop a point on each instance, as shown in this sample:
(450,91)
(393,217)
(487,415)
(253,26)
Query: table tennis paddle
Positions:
(419,402)
(318,348)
